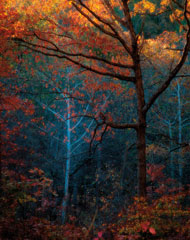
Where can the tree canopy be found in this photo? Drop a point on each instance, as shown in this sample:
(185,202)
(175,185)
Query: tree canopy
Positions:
(98,81)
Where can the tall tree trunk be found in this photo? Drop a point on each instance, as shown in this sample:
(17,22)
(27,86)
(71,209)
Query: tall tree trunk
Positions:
(141,147)
(141,130)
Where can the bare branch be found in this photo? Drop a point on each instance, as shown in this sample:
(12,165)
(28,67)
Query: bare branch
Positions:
(96,16)
(129,21)
(186,13)
(119,19)
(101,138)
(58,50)
(177,18)
(115,34)
(182,75)
(94,23)
(122,125)
(48,41)
(172,75)
(93,137)
(114,75)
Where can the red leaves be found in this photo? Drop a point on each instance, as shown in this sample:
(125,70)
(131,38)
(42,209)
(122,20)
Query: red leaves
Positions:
(146,227)
(28,108)
(50,67)
(36,171)
(10,103)
(100,234)
(155,171)
(37,59)
(13,103)
(152,231)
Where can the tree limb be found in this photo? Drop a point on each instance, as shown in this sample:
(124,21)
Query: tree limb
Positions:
(172,75)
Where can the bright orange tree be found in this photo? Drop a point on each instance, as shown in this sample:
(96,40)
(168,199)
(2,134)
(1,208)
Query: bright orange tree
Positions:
(102,38)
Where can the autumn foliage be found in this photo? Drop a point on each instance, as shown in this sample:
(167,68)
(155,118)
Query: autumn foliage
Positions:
(83,89)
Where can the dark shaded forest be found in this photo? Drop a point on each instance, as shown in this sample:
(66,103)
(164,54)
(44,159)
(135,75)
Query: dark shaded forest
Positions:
(94,120)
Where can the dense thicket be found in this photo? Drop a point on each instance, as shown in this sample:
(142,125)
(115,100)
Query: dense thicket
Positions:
(95,119)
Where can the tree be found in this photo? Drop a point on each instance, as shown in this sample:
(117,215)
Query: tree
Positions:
(172,119)
(79,39)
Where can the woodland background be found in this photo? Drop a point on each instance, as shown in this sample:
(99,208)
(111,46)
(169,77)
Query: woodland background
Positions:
(94,118)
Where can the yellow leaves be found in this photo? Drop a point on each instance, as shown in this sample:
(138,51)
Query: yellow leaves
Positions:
(149,6)
(32,12)
(42,7)
(165,3)
(144,6)
(161,49)
(96,6)
(176,15)
(19,26)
